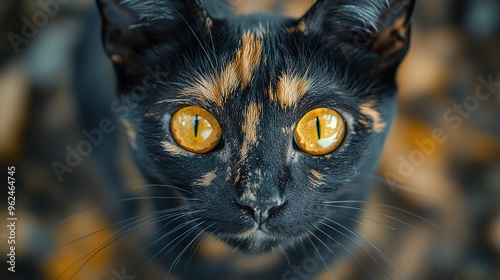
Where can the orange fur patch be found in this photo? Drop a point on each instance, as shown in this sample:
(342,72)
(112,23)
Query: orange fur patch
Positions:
(290,90)
(117,58)
(299,28)
(207,179)
(239,72)
(210,23)
(368,110)
(214,88)
(247,58)
(316,179)
(251,122)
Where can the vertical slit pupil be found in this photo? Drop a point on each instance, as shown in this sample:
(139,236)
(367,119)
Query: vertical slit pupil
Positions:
(318,127)
(196,125)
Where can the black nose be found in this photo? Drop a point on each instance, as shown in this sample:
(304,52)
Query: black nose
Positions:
(261,210)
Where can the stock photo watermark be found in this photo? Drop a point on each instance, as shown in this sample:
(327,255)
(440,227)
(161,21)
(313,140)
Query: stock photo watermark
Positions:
(31,26)
(454,117)
(11,221)
(119,275)
(311,264)
(122,108)
(48,9)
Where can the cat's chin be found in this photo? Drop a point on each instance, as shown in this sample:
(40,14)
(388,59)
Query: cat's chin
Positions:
(255,243)
(253,248)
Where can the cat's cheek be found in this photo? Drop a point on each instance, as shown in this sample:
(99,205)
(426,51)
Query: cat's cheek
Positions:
(206,179)
(223,155)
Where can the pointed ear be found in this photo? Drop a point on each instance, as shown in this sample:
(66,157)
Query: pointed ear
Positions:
(380,27)
(131,26)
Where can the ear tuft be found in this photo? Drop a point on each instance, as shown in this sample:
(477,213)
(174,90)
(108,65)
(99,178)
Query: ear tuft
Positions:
(392,41)
(131,26)
(381,27)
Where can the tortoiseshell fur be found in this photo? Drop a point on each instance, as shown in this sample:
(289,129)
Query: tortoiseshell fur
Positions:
(258,75)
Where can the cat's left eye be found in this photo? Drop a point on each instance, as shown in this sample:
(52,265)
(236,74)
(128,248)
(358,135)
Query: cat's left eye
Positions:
(320,132)
(195,130)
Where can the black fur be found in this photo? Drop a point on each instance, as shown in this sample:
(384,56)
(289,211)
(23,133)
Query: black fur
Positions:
(168,42)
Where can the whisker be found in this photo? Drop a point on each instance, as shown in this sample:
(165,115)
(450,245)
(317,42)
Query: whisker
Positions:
(185,249)
(196,248)
(194,33)
(347,250)
(135,219)
(184,236)
(120,201)
(285,255)
(319,254)
(350,239)
(234,250)
(389,261)
(406,189)
(161,238)
(303,246)
(436,226)
(94,252)
(387,216)
(209,31)
(350,216)
(163,186)
(184,215)
(156,241)
(324,244)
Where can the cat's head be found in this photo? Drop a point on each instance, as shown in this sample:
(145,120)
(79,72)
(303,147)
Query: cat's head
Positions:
(259,119)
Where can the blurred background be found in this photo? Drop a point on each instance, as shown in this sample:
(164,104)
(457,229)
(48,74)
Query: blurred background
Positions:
(449,90)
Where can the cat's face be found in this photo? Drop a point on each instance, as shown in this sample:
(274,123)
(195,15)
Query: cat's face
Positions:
(260,120)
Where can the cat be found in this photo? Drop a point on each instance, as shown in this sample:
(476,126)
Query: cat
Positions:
(251,126)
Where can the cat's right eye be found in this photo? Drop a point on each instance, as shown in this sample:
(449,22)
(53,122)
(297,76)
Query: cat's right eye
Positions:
(195,130)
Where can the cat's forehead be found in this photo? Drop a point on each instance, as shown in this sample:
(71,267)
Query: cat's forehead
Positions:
(255,68)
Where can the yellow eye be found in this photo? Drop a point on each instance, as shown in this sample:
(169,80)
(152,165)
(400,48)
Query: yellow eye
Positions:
(320,132)
(195,130)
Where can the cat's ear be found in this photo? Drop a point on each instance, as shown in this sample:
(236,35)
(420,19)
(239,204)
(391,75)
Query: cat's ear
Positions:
(131,26)
(380,27)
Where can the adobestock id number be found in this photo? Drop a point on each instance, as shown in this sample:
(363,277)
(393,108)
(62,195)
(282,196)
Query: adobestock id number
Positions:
(11,187)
